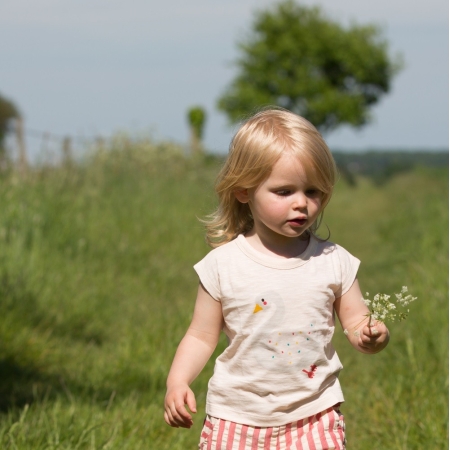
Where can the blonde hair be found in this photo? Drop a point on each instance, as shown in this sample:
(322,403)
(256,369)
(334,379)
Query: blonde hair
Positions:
(256,147)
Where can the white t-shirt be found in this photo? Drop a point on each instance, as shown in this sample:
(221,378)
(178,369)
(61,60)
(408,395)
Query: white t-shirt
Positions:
(280,365)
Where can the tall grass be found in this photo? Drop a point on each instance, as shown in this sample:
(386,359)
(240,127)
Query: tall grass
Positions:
(97,289)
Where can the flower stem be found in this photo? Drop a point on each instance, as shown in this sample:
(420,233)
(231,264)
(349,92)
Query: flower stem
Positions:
(368,315)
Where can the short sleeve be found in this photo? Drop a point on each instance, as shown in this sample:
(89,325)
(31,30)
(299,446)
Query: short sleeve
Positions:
(348,269)
(207,271)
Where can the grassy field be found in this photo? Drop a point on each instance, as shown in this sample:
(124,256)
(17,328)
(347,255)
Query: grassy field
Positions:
(97,289)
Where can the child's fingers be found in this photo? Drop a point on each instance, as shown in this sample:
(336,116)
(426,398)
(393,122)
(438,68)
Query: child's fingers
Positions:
(190,401)
(374,337)
(370,336)
(374,330)
(177,414)
(180,413)
(370,333)
(169,419)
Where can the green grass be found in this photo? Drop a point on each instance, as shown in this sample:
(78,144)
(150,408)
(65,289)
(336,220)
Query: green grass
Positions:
(97,289)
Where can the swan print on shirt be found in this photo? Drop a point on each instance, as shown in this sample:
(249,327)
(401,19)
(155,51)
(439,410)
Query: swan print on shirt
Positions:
(277,346)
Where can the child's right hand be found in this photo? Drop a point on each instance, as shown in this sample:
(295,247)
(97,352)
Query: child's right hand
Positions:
(175,414)
(192,354)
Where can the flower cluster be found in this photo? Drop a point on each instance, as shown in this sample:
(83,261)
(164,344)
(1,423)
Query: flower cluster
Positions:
(383,310)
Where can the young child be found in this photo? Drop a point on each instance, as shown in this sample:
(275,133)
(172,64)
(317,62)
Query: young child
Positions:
(273,287)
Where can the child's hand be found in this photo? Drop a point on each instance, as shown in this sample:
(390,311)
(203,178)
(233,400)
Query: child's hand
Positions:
(374,338)
(176,415)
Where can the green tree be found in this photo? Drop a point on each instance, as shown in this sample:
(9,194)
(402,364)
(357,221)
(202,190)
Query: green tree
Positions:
(297,58)
(196,118)
(8,112)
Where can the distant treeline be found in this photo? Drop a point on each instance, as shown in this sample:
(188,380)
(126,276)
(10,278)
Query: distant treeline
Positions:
(381,165)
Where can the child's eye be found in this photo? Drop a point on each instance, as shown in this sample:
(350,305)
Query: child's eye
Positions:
(283,192)
(313,192)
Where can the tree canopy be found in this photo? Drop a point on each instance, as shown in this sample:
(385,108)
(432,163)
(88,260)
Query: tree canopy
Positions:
(297,58)
(196,117)
(8,111)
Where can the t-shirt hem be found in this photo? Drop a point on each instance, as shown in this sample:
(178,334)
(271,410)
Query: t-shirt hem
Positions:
(273,420)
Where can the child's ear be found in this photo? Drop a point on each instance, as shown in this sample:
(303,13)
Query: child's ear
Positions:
(242,195)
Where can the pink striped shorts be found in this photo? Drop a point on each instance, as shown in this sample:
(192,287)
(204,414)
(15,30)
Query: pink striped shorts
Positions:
(323,431)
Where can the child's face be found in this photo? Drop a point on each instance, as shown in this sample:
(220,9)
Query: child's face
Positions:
(285,204)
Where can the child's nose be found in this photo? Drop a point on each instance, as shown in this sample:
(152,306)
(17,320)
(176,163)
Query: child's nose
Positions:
(300,201)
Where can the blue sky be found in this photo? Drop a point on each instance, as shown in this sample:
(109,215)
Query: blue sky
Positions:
(87,68)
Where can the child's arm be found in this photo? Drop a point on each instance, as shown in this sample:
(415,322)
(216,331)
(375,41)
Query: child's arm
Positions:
(351,311)
(192,354)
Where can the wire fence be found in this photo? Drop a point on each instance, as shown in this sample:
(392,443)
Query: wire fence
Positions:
(31,147)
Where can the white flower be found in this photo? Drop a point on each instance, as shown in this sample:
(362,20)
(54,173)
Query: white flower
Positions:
(382,310)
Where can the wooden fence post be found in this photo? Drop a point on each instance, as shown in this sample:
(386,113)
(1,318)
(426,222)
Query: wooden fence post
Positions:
(23,161)
(67,151)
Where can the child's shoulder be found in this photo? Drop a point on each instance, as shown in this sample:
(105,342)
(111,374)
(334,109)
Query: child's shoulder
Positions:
(328,248)
(325,246)
(222,251)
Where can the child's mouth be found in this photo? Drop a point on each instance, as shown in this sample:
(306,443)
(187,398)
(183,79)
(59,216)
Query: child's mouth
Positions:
(297,222)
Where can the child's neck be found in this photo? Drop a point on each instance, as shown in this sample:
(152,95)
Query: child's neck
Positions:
(281,248)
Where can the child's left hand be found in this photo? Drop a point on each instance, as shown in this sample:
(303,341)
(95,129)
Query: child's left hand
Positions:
(354,317)
(373,339)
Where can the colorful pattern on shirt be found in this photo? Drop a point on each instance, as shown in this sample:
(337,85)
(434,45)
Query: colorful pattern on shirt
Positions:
(280,364)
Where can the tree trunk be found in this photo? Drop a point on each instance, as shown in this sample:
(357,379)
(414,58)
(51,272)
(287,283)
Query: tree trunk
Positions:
(196,143)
